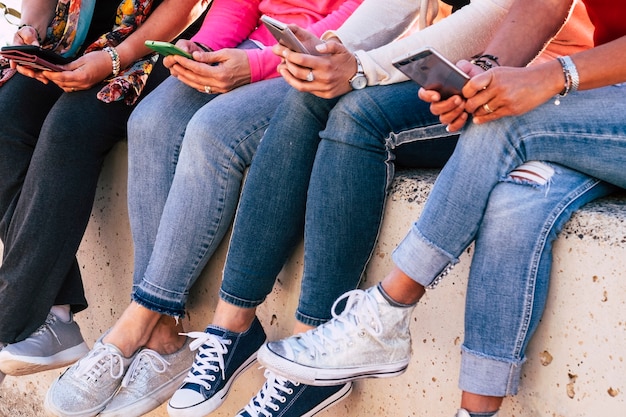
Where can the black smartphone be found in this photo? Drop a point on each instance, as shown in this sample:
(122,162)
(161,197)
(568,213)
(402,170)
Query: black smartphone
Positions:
(35,57)
(285,36)
(166,48)
(432,71)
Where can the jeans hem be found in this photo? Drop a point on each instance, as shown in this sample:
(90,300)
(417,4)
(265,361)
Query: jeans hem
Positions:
(158,308)
(238,301)
(488,375)
(309,320)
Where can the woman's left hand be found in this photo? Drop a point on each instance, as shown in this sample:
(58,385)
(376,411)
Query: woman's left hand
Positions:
(509,91)
(83,73)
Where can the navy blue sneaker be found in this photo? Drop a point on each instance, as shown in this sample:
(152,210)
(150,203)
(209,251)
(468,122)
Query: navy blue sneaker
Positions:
(222,356)
(280,397)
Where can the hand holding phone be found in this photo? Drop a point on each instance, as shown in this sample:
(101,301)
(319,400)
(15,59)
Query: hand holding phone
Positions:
(35,57)
(285,36)
(433,71)
(167,48)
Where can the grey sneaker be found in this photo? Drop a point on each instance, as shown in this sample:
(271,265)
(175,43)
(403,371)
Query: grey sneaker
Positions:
(151,380)
(369,339)
(54,345)
(84,389)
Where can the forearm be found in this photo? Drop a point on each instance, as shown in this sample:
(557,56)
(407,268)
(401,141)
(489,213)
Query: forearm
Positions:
(166,22)
(528,27)
(38,14)
(603,65)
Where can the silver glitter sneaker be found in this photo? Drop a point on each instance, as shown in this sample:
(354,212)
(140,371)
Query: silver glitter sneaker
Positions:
(53,345)
(369,339)
(151,380)
(84,389)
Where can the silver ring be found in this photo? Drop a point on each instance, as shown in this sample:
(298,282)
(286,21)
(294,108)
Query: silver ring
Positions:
(487,108)
(310,77)
(207,89)
(73,90)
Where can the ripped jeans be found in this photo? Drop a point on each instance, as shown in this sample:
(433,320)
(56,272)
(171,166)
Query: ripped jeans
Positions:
(514,223)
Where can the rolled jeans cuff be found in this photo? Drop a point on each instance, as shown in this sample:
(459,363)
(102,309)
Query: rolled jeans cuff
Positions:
(484,375)
(420,259)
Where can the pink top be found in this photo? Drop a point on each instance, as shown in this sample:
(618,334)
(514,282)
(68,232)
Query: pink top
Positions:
(230,22)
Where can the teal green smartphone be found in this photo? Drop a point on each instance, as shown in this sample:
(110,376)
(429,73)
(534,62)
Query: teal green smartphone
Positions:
(166,48)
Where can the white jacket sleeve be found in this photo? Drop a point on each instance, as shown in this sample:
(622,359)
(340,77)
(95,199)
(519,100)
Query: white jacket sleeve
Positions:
(376,23)
(461,35)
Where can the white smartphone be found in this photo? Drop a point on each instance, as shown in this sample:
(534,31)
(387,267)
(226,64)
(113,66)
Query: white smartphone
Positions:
(285,36)
(432,71)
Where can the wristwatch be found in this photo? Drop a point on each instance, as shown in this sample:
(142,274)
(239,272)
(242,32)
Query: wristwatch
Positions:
(358,81)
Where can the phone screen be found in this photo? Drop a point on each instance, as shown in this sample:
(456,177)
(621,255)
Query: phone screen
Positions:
(432,71)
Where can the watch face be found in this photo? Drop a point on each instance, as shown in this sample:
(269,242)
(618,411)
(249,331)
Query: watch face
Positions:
(359,82)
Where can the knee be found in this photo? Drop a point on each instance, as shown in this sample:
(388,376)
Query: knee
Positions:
(142,123)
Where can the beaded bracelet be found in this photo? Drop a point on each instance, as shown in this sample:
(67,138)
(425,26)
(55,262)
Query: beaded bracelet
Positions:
(572,80)
(115,59)
(24,25)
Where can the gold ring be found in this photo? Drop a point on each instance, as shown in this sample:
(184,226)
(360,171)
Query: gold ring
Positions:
(487,108)
(207,89)
(310,77)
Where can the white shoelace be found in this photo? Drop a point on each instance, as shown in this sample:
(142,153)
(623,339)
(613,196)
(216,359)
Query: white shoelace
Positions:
(210,357)
(272,390)
(100,360)
(145,357)
(341,326)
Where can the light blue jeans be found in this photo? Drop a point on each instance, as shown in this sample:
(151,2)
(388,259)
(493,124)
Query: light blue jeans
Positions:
(187,155)
(514,224)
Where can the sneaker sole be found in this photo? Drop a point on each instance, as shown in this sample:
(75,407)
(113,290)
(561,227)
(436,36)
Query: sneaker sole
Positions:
(16,365)
(213,403)
(326,377)
(331,401)
(149,403)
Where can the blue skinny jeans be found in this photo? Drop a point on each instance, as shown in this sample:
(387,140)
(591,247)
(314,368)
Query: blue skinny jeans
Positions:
(302,181)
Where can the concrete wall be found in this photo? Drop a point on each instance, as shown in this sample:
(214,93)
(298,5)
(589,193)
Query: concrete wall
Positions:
(575,363)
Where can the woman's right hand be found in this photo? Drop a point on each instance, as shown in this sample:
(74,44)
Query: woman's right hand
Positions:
(331,71)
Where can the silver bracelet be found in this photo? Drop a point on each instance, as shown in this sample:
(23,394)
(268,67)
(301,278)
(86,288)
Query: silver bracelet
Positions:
(115,59)
(572,81)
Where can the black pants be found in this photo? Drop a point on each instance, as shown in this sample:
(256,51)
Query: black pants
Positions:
(52,146)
